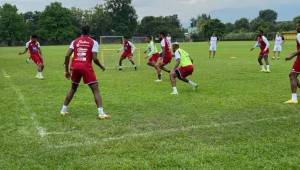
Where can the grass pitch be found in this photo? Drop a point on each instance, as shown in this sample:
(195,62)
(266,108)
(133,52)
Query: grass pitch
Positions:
(236,119)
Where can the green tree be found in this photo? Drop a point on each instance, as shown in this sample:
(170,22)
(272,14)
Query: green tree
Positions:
(268,15)
(122,15)
(296,20)
(11,24)
(100,22)
(31,19)
(213,26)
(55,24)
(242,25)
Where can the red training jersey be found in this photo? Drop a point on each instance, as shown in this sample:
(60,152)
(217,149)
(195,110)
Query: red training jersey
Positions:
(167,47)
(261,43)
(83,48)
(33,47)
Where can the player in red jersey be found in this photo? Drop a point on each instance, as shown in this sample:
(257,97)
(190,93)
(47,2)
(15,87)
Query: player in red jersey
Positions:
(34,48)
(263,44)
(165,56)
(128,50)
(84,50)
(152,54)
(295,70)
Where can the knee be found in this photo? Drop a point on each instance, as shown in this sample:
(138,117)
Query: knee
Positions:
(291,76)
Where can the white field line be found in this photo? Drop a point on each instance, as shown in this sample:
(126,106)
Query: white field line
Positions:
(166,131)
(5,74)
(41,131)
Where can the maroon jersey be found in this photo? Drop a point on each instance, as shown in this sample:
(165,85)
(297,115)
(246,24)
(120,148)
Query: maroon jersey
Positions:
(127,47)
(33,47)
(296,66)
(261,42)
(83,48)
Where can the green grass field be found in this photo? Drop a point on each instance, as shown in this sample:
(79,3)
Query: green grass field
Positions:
(236,119)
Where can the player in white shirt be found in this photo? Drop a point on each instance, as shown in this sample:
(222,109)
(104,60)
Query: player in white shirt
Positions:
(279,40)
(213,46)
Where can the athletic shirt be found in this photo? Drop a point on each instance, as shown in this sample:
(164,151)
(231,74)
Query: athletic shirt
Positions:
(213,41)
(151,49)
(298,43)
(184,57)
(128,47)
(263,42)
(278,40)
(166,45)
(33,47)
(83,48)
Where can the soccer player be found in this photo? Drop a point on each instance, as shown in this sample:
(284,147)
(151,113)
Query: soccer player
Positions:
(165,57)
(263,43)
(34,48)
(183,68)
(152,54)
(128,50)
(279,40)
(295,70)
(213,45)
(84,50)
(169,38)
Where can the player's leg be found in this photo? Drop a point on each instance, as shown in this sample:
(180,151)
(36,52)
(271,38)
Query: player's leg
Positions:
(267,63)
(294,85)
(158,69)
(132,62)
(120,62)
(214,53)
(209,53)
(98,100)
(173,76)
(183,72)
(260,57)
(69,98)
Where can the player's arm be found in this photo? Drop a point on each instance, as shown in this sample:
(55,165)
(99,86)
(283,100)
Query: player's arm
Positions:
(255,45)
(67,62)
(25,51)
(132,47)
(294,54)
(97,62)
(40,50)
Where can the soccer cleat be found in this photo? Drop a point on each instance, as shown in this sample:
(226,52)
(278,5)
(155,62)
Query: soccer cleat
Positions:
(174,93)
(103,116)
(64,113)
(37,76)
(291,102)
(195,87)
(135,68)
(268,71)
(262,70)
(41,77)
(158,80)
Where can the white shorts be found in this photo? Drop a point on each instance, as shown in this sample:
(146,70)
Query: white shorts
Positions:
(277,48)
(213,48)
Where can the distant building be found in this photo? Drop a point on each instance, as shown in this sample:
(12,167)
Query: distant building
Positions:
(290,35)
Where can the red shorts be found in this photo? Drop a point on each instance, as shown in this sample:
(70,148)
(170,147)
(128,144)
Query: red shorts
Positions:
(264,54)
(37,59)
(296,66)
(88,75)
(185,71)
(127,55)
(167,59)
(153,58)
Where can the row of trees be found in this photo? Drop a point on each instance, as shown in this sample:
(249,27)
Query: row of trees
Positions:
(266,20)
(57,24)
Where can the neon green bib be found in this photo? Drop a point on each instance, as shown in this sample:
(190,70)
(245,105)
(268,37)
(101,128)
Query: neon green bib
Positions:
(185,60)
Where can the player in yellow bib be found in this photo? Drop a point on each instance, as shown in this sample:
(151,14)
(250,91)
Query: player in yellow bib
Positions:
(183,68)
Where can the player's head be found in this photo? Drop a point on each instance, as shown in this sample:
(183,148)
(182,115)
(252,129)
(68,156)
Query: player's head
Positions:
(33,37)
(214,34)
(148,38)
(260,32)
(162,35)
(126,38)
(175,46)
(85,30)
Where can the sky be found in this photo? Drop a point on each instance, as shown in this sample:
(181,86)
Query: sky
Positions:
(226,10)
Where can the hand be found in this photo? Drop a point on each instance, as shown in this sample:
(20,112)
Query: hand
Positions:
(20,53)
(251,49)
(287,58)
(67,75)
(103,68)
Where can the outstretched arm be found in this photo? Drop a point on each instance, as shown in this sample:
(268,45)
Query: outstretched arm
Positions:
(97,62)
(25,51)
(67,62)
(293,55)
(255,45)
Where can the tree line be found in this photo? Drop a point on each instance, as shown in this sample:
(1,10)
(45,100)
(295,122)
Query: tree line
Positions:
(59,25)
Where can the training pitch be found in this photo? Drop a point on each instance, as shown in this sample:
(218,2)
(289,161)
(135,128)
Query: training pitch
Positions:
(235,120)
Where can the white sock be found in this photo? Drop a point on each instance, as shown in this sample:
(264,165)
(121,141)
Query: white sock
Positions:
(268,67)
(294,97)
(174,89)
(64,108)
(100,110)
(192,83)
(263,67)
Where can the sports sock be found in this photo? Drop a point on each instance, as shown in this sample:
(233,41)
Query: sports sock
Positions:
(100,110)
(294,97)
(262,67)
(64,108)
(174,89)
(268,67)
(191,83)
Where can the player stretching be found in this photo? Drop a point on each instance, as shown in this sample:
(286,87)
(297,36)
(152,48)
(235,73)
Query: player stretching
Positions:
(35,55)
(264,44)
(128,50)
(279,40)
(84,50)
(295,70)
(152,54)
(165,57)
(213,46)
(182,69)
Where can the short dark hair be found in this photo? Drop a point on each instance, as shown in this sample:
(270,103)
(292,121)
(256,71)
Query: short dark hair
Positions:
(163,33)
(85,30)
(149,36)
(34,36)
(261,31)
(126,37)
